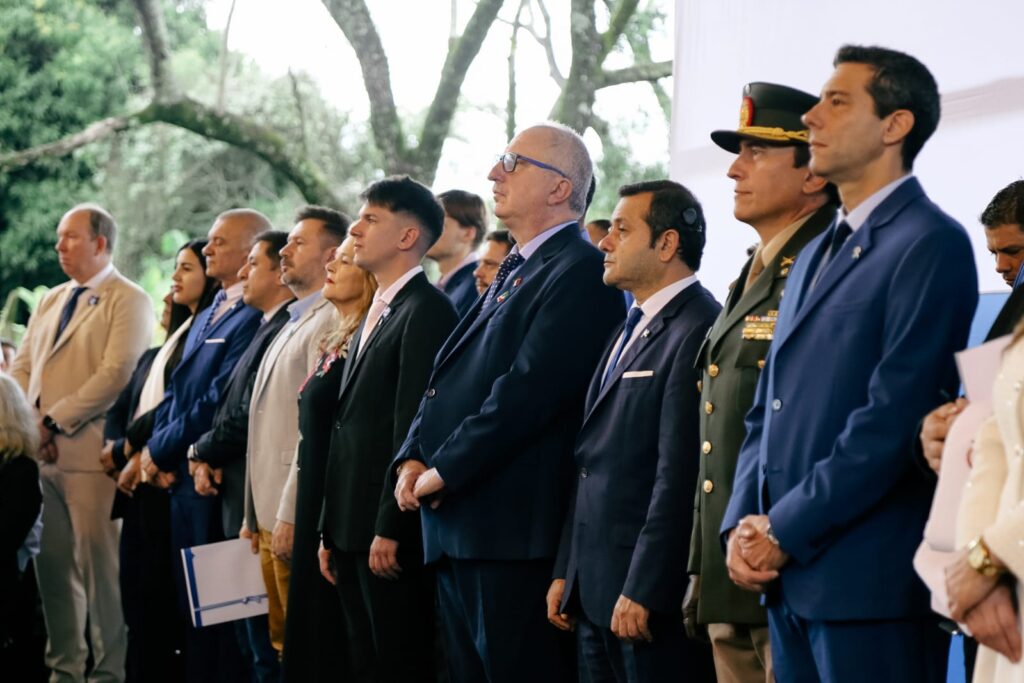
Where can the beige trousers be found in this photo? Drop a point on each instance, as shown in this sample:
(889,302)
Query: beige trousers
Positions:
(275,575)
(742,653)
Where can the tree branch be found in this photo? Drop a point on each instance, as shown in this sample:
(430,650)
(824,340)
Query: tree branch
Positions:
(510,108)
(617,24)
(576,102)
(442,109)
(353,18)
(155,33)
(546,43)
(650,71)
(224,60)
(301,111)
(93,133)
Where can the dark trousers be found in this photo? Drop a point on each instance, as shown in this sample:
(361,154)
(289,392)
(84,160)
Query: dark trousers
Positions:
(253,636)
(900,651)
(604,658)
(211,652)
(389,625)
(495,627)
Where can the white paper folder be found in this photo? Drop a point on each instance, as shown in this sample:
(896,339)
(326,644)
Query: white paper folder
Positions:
(224,582)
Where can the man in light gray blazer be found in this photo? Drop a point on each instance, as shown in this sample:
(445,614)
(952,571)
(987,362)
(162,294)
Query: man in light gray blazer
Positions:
(273,412)
(82,343)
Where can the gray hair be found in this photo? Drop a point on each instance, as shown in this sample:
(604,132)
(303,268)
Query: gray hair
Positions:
(574,160)
(101,223)
(18,432)
(255,223)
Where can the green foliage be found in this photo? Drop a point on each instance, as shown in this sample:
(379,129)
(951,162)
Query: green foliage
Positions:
(20,303)
(615,169)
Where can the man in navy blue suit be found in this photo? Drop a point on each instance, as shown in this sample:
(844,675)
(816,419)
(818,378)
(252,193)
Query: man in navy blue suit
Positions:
(623,544)
(489,453)
(830,500)
(218,337)
(465,222)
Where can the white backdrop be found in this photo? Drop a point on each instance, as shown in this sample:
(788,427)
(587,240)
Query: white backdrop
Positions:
(973,50)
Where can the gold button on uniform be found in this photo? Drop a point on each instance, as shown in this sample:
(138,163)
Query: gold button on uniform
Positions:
(708,486)
(713,370)
(706,447)
(760,364)
(709,407)
(700,385)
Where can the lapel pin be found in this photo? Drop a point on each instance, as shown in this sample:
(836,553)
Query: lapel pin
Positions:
(93,300)
(787,261)
(856,253)
(501,297)
(646,334)
(518,281)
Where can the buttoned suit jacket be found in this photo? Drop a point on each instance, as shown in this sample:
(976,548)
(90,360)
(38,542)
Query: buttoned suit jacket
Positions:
(461,289)
(380,391)
(274,417)
(856,362)
(224,445)
(78,378)
(637,456)
(196,387)
(725,400)
(504,404)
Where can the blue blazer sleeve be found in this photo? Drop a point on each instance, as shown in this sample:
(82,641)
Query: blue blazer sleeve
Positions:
(744,499)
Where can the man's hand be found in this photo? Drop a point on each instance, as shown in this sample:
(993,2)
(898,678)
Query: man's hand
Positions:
(935,428)
(193,465)
(629,620)
(49,453)
(429,488)
(740,571)
(993,622)
(254,539)
(384,558)
(282,540)
(148,466)
(45,435)
(129,477)
(204,478)
(966,587)
(758,550)
(694,631)
(327,565)
(409,472)
(107,460)
(561,620)
(163,480)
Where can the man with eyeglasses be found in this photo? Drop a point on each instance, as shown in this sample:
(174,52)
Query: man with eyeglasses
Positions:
(489,453)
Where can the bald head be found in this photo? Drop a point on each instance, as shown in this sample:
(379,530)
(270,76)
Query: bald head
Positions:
(230,239)
(571,157)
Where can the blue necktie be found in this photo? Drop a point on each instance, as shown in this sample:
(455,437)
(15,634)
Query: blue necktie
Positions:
(218,300)
(69,310)
(511,262)
(632,320)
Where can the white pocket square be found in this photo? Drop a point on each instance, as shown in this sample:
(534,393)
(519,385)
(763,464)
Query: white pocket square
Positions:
(637,373)
(214,341)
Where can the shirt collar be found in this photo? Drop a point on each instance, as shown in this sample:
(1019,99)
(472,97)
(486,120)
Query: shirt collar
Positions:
(470,258)
(95,280)
(770,249)
(388,295)
(527,250)
(269,315)
(659,299)
(298,308)
(859,216)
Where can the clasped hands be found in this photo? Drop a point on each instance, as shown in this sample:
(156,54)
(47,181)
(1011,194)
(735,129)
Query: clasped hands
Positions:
(417,485)
(752,558)
(986,604)
(629,618)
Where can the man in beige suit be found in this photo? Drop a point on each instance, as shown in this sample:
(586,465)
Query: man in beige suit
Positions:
(79,351)
(274,413)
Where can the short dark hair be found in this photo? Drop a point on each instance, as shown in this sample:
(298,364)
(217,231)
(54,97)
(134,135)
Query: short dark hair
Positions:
(403,194)
(101,223)
(1006,208)
(602,223)
(900,82)
(335,223)
(673,207)
(591,191)
(468,210)
(276,241)
(802,157)
(501,236)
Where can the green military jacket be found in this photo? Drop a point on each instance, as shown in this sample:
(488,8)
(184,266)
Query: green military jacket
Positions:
(732,357)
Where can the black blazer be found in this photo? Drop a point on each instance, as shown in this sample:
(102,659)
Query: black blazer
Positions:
(119,419)
(1009,315)
(637,456)
(21,499)
(380,391)
(461,289)
(224,445)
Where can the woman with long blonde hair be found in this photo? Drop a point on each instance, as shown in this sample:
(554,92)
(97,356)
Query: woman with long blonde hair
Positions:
(313,623)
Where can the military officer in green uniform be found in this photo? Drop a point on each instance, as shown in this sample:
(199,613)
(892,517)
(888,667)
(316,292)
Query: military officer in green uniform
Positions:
(787,205)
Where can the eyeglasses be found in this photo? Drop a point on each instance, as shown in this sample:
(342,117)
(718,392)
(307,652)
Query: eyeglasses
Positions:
(510,159)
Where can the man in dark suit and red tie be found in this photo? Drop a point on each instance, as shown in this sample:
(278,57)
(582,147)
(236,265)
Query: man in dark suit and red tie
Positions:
(489,453)
(618,573)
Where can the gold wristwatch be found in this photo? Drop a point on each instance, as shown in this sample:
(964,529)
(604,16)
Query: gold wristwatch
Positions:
(980,559)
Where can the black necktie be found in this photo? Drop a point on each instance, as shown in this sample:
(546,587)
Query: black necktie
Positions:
(511,262)
(839,237)
(635,313)
(69,310)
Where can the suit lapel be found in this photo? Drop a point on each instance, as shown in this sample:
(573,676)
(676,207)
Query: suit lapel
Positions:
(83,311)
(278,344)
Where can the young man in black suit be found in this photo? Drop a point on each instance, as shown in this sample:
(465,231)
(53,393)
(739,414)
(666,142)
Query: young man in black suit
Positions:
(637,452)
(371,551)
